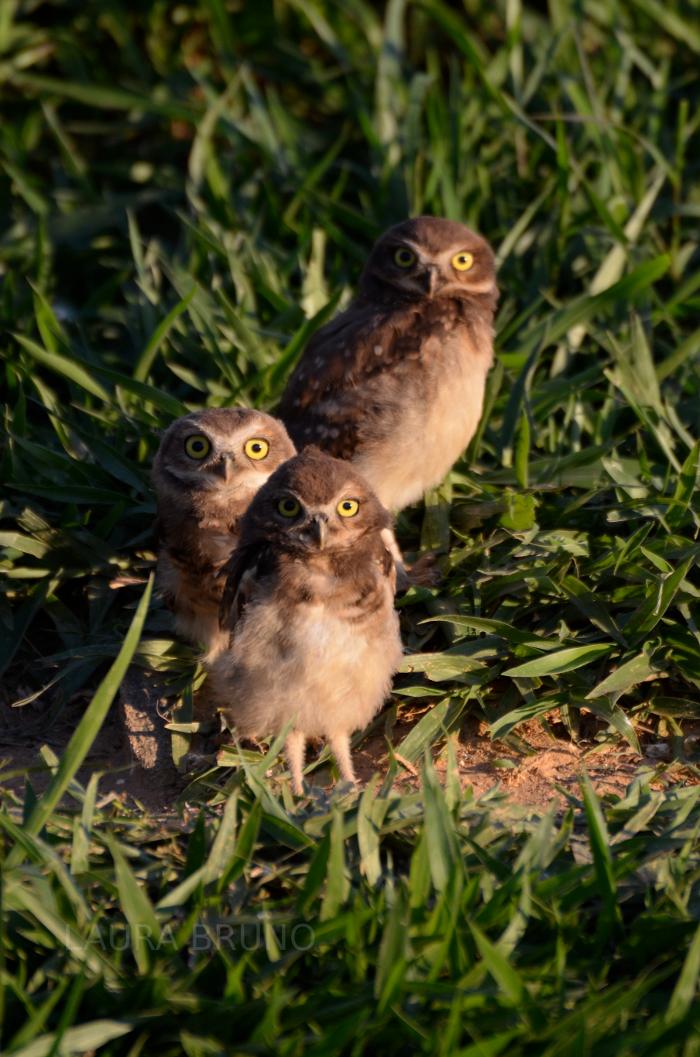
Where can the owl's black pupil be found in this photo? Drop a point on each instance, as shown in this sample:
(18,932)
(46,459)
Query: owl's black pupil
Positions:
(257,447)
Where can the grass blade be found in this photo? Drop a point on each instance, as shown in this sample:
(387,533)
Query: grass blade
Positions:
(88,727)
(567,660)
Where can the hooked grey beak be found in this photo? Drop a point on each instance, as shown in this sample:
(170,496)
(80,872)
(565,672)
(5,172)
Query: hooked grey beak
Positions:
(225,467)
(317,530)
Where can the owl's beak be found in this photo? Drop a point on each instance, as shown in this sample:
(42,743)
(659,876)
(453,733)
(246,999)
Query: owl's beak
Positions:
(225,467)
(317,530)
(431,279)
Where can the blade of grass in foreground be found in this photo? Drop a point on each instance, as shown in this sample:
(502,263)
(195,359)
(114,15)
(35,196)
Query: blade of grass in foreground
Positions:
(684,992)
(88,728)
(562,661)
(147,357)
(610,914)
(82,1039)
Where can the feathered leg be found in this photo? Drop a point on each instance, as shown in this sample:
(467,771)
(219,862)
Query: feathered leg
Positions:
(340,747)
(295,746)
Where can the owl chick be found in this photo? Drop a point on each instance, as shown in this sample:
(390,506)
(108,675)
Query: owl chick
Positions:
(309,603)
(208,467)
(396,382)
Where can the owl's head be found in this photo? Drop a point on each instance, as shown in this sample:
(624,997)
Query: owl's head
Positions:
(223,449)
(314,503)
(430,257)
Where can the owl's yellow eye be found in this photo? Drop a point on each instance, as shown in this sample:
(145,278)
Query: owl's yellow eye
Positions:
(288,507)
(348,507)
(256,448)
(404,257)
(462,262)
(198,446)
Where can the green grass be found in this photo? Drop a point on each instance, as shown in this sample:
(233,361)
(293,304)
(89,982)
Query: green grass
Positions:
(421,924)
(188,191)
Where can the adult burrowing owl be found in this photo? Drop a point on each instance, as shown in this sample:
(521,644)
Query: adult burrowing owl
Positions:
(396,382)
(209,466)
(309,602)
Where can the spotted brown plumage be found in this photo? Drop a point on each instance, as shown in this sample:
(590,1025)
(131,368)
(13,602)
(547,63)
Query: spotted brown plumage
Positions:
(395,383)
(308,607)
(208,467)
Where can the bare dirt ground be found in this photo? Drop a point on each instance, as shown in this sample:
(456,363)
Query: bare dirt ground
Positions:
(536,780)
(133,753)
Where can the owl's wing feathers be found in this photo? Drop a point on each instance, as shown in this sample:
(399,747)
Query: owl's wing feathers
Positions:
(337,361)
(354,345)
(388,565)
(244,567)
(331,390)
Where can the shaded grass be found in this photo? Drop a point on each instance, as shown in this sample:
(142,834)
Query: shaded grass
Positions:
(190,190)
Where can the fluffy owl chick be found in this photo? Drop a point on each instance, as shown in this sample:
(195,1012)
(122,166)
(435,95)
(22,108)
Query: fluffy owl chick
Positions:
(209,466)
(310,605)
(396,382)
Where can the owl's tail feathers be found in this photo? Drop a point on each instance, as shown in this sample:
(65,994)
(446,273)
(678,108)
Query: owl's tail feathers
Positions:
(425,571)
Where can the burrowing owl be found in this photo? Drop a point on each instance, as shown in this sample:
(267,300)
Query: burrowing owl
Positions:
(309,602)
(208,467)
(396,382)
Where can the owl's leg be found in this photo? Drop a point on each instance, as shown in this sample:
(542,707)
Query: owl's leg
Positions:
(340,747)
(295,746)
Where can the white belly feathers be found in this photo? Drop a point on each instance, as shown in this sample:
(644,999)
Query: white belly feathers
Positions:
(318,667)
(430,435)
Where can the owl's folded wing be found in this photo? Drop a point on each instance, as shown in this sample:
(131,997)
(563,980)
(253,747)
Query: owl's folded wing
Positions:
(390,558)
(240,573)
(326,396)
(337,356)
